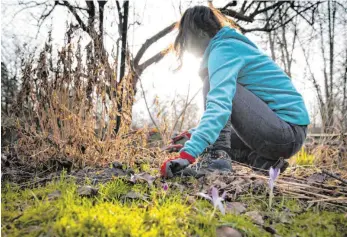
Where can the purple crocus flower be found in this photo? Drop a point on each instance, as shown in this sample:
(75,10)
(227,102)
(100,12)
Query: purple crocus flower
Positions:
(273,173)
(215,199)
(165,186)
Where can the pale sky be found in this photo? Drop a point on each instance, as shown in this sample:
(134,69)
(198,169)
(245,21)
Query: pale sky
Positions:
(158,80)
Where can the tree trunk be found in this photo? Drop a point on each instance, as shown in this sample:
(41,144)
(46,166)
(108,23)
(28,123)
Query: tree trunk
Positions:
(122,62)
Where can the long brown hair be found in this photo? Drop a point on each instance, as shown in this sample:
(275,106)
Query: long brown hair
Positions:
(198,21)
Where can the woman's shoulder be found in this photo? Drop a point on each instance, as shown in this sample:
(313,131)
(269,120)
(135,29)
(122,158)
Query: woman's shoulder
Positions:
(228,35)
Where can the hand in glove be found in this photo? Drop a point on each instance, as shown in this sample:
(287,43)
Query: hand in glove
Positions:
(177,142)
(170,167)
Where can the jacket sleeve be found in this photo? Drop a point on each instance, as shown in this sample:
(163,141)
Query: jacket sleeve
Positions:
(224,64)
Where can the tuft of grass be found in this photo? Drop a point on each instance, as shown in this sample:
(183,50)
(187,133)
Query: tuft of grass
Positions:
(303,158)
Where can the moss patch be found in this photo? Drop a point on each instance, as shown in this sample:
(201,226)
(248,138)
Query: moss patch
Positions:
(33,212)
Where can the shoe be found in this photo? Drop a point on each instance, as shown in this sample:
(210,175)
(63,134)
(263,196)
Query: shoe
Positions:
(213,159)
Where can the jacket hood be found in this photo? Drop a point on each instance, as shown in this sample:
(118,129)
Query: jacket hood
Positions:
(224,33)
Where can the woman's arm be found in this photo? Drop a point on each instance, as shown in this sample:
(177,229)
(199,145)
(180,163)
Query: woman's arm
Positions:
(224,65)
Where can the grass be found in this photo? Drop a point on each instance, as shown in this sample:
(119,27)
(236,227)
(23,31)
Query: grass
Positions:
(30,212)
(303,158)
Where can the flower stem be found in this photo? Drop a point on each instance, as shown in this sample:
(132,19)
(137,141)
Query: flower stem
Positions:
(270,198)
(212,215)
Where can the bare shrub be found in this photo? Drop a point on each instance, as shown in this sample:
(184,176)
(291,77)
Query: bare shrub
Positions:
(66,110)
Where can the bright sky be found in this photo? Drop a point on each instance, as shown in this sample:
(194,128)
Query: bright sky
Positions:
(153,15)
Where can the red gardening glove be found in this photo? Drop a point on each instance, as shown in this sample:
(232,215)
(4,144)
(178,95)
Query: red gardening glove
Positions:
(184,135)
(177,142)
(176,164)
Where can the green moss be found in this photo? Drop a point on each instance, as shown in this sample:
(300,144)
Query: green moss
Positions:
(315,224)
(145,167)
(245,225)
(30,212)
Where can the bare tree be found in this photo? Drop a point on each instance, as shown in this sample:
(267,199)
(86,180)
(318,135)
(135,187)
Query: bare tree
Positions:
(9,87)
(332,90)
(89,16)
(266,16)
(282,41)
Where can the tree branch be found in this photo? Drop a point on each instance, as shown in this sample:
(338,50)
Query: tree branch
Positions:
(241,16)
(275,5)
(76,7)
(44,16)
(101,16)
(267,29)
(313,78)
(184,110)
(154,59)
(147,107)
(120,16)
(72,9)
(150,41)
(230,4)
(235,14)
(91,16)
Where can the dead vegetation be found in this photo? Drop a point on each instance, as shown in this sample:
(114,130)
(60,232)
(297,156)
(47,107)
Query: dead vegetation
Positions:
(66,111)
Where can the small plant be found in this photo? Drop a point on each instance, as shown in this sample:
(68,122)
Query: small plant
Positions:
(215,199)
(273,173)
(304,158)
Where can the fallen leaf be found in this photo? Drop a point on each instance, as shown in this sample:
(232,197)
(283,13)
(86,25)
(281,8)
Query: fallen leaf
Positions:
(135,195)
(116,172)
(270,229)
(219,184)
(258,184)
(191,200)
(256,217)
(316,178)
(235,207)
(238,182)
(180,187)
(117,165)
(285,217)
(226,231)
(55,195)
(87,191)
(143,176)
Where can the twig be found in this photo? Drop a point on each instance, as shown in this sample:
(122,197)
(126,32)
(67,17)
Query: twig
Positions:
(184,109)
(147,107)
(334,176)
(297,195)
(40,152)
(330,199)
(312,193)
(290,185)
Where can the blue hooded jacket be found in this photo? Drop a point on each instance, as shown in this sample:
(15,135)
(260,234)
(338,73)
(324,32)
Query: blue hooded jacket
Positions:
(232,58)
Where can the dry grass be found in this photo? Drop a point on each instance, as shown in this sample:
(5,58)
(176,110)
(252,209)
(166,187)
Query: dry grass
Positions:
(327,154)
(67,108)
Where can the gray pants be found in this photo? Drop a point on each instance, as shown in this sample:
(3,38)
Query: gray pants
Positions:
(254,128)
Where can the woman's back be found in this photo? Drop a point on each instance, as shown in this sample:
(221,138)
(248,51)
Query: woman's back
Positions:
(235,54)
